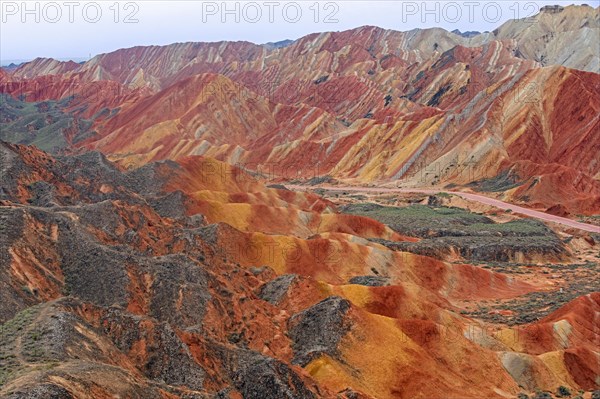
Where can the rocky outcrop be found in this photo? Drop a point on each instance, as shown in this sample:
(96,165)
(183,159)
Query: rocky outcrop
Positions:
(113,283)
(555,9)
(43,390)
(174,272)
(319,329)
(260,377)
(275,290)
(369,281)
(166,358)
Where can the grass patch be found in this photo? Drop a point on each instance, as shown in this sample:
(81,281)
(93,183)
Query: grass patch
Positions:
(474,236)
(416,214)
(503,182)
(9,332)
(42,124)
(425,221)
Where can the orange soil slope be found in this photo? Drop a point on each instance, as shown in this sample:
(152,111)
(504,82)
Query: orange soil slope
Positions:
(395,336)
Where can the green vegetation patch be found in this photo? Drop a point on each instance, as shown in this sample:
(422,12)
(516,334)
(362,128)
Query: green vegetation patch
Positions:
(474,236)
(504,181)
(10,333)
(43,124)
(416,217)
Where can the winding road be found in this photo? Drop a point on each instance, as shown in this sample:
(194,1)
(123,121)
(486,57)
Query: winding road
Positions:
(469,196)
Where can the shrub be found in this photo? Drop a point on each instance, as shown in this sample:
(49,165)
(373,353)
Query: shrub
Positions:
(563,391)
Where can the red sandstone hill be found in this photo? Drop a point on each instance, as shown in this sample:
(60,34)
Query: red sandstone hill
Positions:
(425,107)
(147,257)
(43,66)
(139,294)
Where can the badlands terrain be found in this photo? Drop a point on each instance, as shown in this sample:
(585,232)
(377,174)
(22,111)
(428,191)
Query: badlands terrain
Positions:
(366,214)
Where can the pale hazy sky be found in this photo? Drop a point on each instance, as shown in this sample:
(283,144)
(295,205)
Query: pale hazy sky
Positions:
(78,29)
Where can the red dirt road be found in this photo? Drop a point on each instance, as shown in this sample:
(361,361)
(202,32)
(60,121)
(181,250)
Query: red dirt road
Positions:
(469,196)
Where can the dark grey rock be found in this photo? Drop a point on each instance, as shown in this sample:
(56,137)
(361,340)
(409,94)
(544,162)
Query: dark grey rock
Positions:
(433,200)
(177,276)
(11,229)
(171,205)
(93,272)
(370,281)
(42,194)
(275,290)
(261,377)
(41,391)
(148,180)
(278,187)
(169,359)
(319,329)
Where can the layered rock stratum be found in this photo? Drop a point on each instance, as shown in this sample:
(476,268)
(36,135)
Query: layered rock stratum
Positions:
(149,246)
(141,283)
(425,107)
